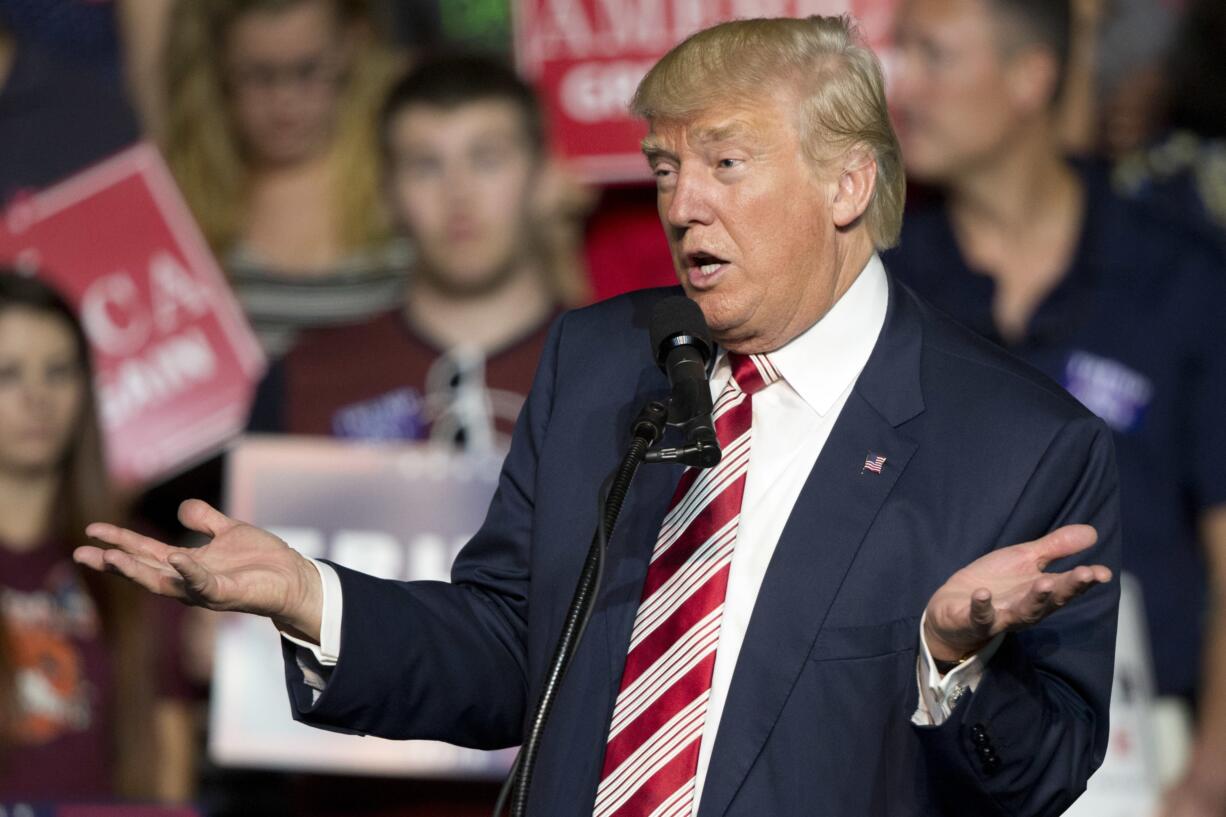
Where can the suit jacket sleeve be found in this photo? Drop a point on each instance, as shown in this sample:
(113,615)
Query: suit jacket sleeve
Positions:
(1026,741)
(440,661)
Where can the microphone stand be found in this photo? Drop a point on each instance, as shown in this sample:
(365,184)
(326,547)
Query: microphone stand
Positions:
(648,427)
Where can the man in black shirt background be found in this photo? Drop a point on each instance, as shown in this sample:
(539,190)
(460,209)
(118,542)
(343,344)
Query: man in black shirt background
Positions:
(1123,307)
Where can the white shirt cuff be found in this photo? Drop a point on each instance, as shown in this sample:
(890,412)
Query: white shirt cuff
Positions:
(328,651)
(938,695)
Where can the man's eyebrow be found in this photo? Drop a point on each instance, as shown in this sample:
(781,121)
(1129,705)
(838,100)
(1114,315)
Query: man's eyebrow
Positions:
(652,149)
(736,129)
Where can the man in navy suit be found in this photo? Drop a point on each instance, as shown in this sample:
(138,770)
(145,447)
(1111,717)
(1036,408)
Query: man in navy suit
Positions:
(912,511)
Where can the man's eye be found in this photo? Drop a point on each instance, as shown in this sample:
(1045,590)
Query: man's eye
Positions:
(728,163)
(934,55)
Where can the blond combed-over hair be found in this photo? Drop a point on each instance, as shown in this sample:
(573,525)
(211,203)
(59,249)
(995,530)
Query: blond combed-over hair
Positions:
(834,80)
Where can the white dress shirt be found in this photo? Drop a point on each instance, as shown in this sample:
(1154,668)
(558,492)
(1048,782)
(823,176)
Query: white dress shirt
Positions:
(792,418)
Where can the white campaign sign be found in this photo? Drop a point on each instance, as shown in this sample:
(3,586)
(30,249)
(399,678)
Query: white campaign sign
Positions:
(396,511)
(1127,784)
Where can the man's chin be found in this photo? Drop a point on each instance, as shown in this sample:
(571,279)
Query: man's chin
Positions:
(726,329)
(465,283)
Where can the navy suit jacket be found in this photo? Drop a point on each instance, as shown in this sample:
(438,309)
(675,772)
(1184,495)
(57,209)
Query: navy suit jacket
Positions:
(982,452)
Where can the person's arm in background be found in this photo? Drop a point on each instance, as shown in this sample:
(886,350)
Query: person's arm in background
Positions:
(561,205)
(143,25)
(180,713)
(1201,792)
(174,733)
(1079,114)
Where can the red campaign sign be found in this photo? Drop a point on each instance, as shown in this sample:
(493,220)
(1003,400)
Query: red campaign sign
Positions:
(175,361)
(586,57)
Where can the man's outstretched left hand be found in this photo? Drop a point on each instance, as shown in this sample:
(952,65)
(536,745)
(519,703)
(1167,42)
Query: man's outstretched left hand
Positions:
(1007,590)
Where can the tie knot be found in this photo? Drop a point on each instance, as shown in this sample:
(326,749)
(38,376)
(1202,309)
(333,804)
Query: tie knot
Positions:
(752,372)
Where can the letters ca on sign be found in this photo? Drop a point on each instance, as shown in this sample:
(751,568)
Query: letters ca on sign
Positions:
(145,325)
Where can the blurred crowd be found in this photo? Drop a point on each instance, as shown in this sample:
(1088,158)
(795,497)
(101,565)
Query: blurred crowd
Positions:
(376,182)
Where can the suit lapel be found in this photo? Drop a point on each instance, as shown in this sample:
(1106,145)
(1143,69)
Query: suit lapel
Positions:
(823,534)
(633,539)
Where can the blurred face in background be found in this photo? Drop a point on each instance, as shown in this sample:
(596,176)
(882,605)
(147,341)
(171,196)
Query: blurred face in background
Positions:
(462,182)
(284,69)
(958,97)
(42,386)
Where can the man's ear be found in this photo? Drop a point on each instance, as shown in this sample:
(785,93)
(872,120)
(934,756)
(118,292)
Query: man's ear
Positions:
(854,188)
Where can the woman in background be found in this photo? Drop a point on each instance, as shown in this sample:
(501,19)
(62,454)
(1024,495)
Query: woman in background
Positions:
(76,661)
(269,128)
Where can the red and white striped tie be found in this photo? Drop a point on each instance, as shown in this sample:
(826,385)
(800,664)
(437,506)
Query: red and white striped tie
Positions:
(652,754)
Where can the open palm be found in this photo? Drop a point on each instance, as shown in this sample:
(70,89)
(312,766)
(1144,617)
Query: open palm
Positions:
(241,568)
(1007,590)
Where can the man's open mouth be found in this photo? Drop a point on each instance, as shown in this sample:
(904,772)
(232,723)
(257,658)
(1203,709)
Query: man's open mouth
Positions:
(704,262)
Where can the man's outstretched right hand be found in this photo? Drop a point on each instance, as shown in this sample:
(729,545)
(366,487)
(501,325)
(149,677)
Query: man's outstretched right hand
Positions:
(241,568)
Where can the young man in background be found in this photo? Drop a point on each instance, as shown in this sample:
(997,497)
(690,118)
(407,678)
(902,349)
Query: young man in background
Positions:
(467,175)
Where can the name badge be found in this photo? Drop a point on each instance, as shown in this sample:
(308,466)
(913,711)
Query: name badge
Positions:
(1116,393)
(394,415)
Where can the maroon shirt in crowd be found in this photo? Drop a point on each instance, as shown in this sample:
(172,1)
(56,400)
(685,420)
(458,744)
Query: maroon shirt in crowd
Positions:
(64,681)
(379,380)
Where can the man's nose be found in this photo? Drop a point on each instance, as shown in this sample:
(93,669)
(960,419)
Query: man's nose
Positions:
(690,201)
(459,182)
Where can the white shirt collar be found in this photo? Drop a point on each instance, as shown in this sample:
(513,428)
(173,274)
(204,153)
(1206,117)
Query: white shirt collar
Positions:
(824,360)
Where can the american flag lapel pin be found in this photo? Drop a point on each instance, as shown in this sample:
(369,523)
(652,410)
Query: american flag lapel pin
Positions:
(873,462)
